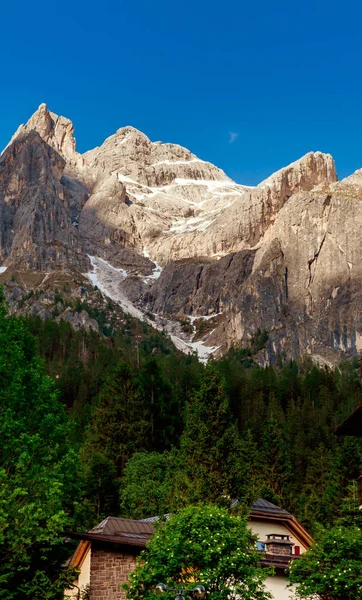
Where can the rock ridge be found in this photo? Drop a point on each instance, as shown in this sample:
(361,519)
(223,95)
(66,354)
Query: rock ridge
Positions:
(187,242)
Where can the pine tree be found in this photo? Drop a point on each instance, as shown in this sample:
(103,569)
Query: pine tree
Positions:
(210,447)
(118,427)
(276,453)
(119,423)
(147,486)
(163,409)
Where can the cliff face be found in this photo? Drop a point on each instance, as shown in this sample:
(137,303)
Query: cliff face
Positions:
(303,284)
(36,228)
(247,218)
(283,257)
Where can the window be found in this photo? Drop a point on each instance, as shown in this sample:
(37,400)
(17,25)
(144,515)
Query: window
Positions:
(260,546)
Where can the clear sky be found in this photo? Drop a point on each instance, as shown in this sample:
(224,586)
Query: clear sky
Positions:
(248,85)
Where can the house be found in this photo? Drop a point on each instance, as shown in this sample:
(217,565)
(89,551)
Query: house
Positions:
(107,553)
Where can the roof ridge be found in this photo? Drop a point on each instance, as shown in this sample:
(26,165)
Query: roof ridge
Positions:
(259,504)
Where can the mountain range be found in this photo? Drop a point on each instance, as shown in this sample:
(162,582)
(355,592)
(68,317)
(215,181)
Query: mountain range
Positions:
(175,242)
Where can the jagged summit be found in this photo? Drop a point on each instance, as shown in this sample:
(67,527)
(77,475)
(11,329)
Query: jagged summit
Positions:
(57,131)
(317,162)
(163,231)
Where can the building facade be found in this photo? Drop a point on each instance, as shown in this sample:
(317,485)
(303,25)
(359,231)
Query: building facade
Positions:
(106,555)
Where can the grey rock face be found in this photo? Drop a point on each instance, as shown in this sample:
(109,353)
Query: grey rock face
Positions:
(36,230)
(199,288)
(283,257)
(131,153)
(247,218)
(304,286)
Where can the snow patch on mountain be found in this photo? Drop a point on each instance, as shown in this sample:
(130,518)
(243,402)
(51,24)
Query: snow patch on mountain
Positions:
(178,162)
(155,274)
(108,280)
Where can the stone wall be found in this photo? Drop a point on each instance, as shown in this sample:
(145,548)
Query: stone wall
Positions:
(109,569)
(285,550)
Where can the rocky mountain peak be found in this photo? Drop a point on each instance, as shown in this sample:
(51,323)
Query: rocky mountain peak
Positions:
(36,229)
(132,154)
(29,160)
(56,131)
(314,168)
(244,217)
(282,257)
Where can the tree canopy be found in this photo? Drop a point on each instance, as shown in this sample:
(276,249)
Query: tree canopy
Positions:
(38,484)
(332,568)
(201,544)
(210,446)
(147,486)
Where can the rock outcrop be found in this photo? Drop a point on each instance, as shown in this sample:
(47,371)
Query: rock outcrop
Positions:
(36,230)
(247,218)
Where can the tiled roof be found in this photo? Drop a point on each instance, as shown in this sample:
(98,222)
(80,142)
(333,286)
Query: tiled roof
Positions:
(154,519)
(124,527)
(265,507)
(129,532)
(268,507)
(259,505)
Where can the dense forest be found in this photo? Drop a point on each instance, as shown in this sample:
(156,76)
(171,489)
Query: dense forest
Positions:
(156,430)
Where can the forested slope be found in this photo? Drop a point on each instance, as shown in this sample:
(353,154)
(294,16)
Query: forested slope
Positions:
(156,430)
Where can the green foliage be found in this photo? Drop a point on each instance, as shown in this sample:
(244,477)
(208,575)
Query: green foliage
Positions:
(147,484)
(161,402)
(38,483)
(210,446)
(101,488)
(332,568)
(119,426)
(202,544)
(119,420)
(191,433)
(258,340)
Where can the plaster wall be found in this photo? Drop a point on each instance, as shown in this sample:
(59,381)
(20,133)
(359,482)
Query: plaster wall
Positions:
(263,528)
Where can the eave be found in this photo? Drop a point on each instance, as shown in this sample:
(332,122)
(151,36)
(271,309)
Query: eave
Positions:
(295,528)
(79,554)
(277,561)
(118,540)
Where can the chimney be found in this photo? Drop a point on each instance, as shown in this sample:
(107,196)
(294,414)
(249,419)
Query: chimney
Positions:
(278,543)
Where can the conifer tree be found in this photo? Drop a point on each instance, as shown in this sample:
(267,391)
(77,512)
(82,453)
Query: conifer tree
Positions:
(210,446)
(276,452)
(118,427)
(161,403)
(147,486)
(119,423)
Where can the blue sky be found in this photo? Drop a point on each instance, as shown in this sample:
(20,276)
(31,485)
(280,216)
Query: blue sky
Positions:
(250,86)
